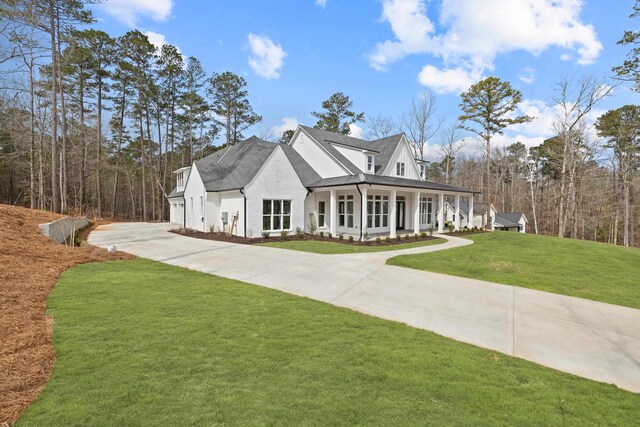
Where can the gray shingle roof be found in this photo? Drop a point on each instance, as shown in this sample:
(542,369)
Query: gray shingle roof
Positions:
(235,166)
(175,193)
(306,173)
(509,219)
(384,147)
(386,180)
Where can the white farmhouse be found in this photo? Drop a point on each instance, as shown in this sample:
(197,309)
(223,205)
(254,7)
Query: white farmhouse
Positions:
(333,182)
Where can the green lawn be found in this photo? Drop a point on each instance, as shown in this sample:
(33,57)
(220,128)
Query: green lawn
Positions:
(143,343)
(322,247)
(578,268)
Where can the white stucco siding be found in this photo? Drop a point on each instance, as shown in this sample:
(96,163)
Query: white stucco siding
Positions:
(195,206)
(212,213)
(403,154)
(316,156)
(232,203)
(176,207)
(276,180)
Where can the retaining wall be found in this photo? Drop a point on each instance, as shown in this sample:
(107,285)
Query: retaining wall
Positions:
(60,230)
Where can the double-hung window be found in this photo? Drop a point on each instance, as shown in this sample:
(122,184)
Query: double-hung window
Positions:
(276,215)
(370,163)
(377,211)
(423,169)
(400,168)
(345,211)
(321,214)
(180,179)
(426,211)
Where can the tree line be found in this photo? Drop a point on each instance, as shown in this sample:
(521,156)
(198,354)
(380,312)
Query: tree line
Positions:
(58,82)
(60,79)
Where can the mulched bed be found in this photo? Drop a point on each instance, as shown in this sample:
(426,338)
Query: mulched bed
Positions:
(31,265)
(223,237)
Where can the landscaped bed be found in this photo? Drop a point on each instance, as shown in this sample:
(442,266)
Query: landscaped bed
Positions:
(333,247)
(578,268)
(375,241)
(141,342)
(30,265)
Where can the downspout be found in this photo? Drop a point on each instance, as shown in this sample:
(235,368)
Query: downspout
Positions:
(244,219)
(361,209)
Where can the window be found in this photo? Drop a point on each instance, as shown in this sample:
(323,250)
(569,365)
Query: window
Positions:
(345,211)
(400,168)
(426,210)
(370,163)
(276,215)
(422,171)
(321,212)
(377,211)
(180,177)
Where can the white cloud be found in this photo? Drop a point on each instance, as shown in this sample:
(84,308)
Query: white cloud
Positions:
(448,80)
(474,33)
(321,3)
(356,131)
(266,57)
(129,11)
(528,75)
(286,124)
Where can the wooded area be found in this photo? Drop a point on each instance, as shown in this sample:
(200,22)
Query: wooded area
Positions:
(95,124)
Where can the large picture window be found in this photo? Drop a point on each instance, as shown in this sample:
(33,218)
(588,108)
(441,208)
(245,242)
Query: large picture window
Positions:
(276,215)
(321,214)
(345,211)
(377,211)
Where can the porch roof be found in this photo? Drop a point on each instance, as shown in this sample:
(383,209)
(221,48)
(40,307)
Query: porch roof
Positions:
(389,181)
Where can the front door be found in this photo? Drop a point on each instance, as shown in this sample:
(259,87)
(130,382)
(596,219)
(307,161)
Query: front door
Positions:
(400,215)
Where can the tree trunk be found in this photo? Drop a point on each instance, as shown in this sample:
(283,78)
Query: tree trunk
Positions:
(64,178)
(55,184)
(99,152)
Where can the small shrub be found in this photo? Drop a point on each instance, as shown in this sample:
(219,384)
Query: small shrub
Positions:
(450,227)
(387,239)
(406,237)
(415,236)
(313,227)
(300,233)
(329,235)
(212,229)
(321,234)
(430,231)
(365,236)
(481,229)
(340,236)
(284,234)
(266,234)
(399,237)
(351,239)
(423,234)
(378,240)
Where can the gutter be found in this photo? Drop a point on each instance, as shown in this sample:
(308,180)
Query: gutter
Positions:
(245,210)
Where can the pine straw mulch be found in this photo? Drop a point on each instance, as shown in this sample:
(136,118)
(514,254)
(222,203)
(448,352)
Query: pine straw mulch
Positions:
(30,265)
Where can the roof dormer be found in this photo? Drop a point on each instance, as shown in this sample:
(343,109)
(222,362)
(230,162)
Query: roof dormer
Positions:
(182,175)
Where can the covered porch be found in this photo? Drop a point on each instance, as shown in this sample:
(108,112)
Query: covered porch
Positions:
(371,210)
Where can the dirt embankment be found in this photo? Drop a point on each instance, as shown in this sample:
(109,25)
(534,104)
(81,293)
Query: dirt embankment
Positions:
(30,265)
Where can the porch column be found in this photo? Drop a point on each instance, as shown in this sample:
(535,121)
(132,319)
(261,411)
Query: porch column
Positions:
(333,216)
(440,212)
(457,222)
(416,212)
(392,213)
(364,211)
(470,222)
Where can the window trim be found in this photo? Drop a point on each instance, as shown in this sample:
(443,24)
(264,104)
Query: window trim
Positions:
(322,214)
(281,215)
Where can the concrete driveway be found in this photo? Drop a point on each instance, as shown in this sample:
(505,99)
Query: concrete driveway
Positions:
(587,338)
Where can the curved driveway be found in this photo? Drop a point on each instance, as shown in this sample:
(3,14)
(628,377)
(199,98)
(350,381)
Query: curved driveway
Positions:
(587,338)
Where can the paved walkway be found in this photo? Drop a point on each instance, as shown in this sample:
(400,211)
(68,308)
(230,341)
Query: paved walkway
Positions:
(587,338)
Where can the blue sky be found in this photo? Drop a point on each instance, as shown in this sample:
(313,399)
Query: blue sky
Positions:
(384,53)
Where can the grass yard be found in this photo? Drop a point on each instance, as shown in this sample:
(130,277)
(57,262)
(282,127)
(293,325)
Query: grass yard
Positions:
(143,343)
(577,268)
(321,247)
